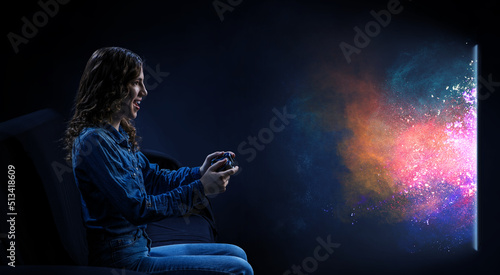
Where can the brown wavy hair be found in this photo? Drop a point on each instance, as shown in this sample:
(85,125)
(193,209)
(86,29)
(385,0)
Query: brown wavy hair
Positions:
(102,90)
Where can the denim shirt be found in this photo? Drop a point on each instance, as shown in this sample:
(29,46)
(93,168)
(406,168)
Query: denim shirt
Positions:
(121,190)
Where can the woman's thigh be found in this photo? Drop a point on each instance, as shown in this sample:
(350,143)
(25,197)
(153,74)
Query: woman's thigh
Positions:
(213,249)
(200,264)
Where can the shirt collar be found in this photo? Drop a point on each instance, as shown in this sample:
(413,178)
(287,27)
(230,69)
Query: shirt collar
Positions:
(120,137)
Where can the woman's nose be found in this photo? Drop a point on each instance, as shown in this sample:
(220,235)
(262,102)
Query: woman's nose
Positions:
(144,91)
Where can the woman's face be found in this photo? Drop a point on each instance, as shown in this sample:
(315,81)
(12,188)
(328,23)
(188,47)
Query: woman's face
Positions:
(137,91)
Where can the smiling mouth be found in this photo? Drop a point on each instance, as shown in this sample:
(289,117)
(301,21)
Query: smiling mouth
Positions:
(137,103)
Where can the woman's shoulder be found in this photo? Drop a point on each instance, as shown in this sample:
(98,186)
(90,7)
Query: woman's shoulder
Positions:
(92,142)
(95,135)
(92,132)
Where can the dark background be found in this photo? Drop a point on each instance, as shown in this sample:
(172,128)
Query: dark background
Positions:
(225,77)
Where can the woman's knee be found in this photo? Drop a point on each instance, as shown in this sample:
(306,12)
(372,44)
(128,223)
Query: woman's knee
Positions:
(240,266)
(234,250)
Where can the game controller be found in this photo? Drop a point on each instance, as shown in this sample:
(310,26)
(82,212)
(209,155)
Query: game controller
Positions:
(229,164)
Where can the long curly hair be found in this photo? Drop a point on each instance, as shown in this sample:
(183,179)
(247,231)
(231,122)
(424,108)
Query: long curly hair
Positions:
(102,90)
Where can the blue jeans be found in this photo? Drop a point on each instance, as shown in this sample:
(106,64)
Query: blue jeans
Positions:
(133,252)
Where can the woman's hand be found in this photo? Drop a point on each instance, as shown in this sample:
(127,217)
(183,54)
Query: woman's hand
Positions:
(215,182)
(209,158)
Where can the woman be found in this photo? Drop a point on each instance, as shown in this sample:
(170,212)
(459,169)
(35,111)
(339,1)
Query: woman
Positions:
(121,191)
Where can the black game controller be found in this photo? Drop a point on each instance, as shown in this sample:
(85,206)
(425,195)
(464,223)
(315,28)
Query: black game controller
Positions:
(229,164)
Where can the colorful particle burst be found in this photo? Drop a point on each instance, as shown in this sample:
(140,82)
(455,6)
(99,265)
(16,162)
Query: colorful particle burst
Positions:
(412,151)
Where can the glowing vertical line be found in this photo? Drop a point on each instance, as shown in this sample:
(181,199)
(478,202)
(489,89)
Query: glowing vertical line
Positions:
(475,241)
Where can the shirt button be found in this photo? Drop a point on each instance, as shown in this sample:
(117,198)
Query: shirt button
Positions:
(134,175)
(137,168)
